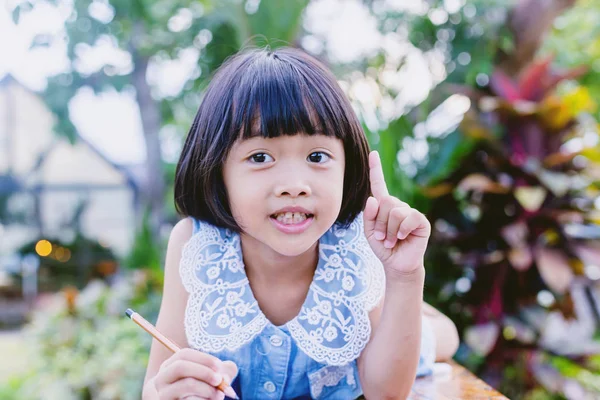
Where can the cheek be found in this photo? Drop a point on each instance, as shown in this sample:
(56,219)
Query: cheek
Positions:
(333,184)
(244,194)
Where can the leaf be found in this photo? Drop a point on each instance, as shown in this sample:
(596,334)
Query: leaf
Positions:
(530,84)
(579,100)
(530,198)
(556,159)
(589,255)
(482,338)
(277,25)
(16,15)
(438,190)
(570,74)
(556,112)
(558,183)
(451,151)
(554,269)
(520,258)
(503,86)
(481,183)
(592,154)
(515,234)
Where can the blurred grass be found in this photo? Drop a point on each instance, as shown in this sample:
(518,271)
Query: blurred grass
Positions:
(12,346)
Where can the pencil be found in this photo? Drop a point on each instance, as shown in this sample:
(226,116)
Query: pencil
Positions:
(169,344)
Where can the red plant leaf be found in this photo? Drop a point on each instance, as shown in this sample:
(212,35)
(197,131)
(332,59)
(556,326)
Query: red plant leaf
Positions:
(531,82)
(503,86)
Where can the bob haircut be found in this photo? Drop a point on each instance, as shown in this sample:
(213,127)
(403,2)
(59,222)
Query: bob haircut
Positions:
(267,93)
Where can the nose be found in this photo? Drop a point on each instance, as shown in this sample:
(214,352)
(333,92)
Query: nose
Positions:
(292,185)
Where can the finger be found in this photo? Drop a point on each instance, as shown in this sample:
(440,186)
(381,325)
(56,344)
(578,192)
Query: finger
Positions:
(378,186)
(369,215)
(414,224)
(194,356)
(229,370)
(397,215)
(186,388)
(220,396)
(381,222)
(188,369)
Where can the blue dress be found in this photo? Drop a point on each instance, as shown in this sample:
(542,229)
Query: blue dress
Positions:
(314,354)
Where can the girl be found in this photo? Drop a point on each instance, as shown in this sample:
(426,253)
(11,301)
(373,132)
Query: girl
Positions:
(277,280)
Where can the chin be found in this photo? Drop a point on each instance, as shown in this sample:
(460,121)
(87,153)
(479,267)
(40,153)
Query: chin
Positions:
(294,248)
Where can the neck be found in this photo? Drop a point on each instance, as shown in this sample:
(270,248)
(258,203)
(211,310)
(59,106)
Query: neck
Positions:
(264,265)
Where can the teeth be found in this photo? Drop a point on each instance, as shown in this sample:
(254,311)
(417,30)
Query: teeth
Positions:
(290,218)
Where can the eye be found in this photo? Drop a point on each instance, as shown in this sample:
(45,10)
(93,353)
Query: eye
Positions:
(318,157)
(260,158)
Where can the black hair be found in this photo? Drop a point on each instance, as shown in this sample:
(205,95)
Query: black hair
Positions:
(268,93)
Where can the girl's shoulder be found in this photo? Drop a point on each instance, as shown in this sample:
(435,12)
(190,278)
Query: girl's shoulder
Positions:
(182,231)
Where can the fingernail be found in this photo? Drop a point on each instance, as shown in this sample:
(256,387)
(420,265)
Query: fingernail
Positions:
(401,236)
(218,379)
(388,244)
(379,235)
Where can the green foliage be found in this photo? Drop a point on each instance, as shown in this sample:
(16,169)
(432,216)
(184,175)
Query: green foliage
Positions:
(81,346)
(575,40)
(145,252)
(388,143)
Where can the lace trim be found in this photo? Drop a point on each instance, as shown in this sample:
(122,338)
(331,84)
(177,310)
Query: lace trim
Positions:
(333,325)
(218,311)
(330,376)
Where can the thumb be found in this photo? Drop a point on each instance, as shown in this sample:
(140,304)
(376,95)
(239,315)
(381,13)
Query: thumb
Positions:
(370,215)
(229,370)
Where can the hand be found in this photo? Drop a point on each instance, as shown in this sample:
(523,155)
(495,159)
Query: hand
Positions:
(397,233)
(191,374)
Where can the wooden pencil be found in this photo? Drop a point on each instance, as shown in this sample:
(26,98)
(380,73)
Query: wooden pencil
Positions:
(169,344)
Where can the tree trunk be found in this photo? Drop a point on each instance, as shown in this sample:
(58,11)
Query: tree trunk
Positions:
(529,22)
(154,185)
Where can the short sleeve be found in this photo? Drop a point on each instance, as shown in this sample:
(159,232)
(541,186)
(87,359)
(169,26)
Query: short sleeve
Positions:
(428,344)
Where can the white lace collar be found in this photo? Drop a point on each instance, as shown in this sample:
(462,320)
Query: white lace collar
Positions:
(333,325)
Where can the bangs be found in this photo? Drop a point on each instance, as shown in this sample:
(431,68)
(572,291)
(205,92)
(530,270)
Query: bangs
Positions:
(278,97)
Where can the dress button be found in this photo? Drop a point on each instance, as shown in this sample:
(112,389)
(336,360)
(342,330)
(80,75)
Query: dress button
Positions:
(276,340)
(269,386)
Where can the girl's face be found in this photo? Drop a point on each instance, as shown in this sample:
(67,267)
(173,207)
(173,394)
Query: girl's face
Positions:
(285,192)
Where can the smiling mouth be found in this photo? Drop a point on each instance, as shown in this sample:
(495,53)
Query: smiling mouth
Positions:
(291,218)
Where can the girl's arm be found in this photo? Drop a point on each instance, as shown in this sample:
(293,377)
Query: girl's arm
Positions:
(388,364)
(172,308)
(398,343)
(445,332)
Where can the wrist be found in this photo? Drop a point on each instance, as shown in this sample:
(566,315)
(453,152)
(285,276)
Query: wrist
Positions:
(394,277)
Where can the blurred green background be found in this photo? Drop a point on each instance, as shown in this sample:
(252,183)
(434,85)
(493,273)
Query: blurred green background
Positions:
(485,114)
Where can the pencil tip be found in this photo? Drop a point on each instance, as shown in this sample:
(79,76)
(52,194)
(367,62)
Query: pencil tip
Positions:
(129,312)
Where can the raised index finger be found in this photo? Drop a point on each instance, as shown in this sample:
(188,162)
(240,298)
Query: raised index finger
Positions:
(378,186)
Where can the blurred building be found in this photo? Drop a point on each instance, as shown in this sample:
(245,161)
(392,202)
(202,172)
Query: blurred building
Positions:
(51,188)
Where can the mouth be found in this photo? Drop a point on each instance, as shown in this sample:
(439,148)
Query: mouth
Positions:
(291,218)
